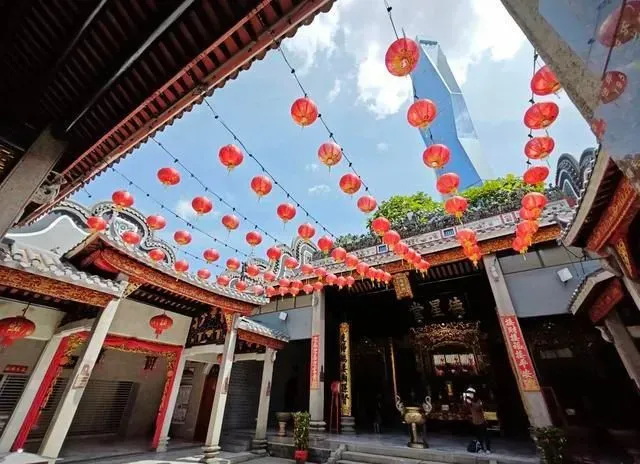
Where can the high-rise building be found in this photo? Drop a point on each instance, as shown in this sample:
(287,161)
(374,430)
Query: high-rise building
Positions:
(453,127)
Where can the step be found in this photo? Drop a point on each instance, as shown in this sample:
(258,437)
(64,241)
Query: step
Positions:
(424,455)
(354,456)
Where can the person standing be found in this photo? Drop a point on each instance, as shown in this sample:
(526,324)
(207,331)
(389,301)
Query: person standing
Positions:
(478,421)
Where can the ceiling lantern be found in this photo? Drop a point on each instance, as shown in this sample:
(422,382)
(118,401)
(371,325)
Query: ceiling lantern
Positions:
(544,82)
(241,285)
(367,203)
(304,111)
(96,224)
(539,148)
(201,205)
(350,183)
(474,254)
(168,176)
(286,212)
(423,266)
(223,280)
(122,199)
(621,26)
(306,232)
(325,244)
(330,154)
(350,281)
(535,175)
(160,323)
(402,57)
(274,253)
(270,292)
(380,225)
(284,282)
(290,263)
(181,266)
(318,286)
(210,255)
(362,269)
(436,156)
(351,260)
(283,290)
(261,185)
(233,264)
(204,274)
(421,113)
(15,328)
(456,206)
(534,201)
(391,239)
(156,222)
(526,230)
(269,276)
(320,272)
(448,183)
(130,237)
(307,288)
(252,271)
(520,245)
(156,254)
(529,214)
(541,115)
(182,237)
(230,222)
(341,282)
(400,249)
(339,254)
(307,269)
(466,237)
(253,238)
(230,156)
(330,279)
(614,83)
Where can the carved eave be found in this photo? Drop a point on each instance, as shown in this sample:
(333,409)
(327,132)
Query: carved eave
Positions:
(252,337)
(254,332)
(590,286)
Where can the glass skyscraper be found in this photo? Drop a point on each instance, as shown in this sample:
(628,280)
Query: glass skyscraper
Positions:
(452,127)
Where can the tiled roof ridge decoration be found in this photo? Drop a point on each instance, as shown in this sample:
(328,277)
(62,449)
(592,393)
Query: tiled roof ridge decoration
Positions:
(256,327)
(586,285)
(47,264)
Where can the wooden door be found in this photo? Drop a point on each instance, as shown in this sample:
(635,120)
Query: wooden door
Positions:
(206,403)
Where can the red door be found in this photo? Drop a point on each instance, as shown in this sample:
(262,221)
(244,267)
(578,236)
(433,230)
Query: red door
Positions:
(206,403)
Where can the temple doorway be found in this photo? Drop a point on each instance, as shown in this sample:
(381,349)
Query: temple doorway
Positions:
(206,403)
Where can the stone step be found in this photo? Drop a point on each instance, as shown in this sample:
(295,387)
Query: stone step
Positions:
(354,456)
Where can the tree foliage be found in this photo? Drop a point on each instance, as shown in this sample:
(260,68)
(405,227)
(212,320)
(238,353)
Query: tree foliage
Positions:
(498,191)
(398,207)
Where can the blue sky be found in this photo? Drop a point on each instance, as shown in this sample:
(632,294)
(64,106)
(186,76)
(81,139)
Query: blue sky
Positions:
(340,61)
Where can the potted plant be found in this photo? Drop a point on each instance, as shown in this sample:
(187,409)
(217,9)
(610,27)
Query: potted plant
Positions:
(301,436)
(550,442)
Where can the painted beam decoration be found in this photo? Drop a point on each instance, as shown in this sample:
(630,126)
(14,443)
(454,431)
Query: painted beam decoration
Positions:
(519,354)
(345,370)
(607,300)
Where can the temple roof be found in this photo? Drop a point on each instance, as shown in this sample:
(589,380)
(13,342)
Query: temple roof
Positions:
(260,328)
(586,288)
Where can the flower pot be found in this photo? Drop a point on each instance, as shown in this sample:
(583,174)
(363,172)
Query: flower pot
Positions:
(301,456)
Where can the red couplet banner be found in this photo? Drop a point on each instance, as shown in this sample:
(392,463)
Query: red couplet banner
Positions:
(315,362)
(519,353)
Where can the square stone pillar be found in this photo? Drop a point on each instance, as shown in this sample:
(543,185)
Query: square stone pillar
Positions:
(59,426)
(625,345)
(212,444)
(316,371)
(259,445)
(163,440)
(519,357)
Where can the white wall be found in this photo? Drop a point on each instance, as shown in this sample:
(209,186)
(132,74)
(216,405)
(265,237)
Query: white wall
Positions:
(45,319)
(23,353)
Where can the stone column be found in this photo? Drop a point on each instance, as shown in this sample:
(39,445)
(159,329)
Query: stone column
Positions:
(212,444)
(519,357)
(259,445)
(163,441)
(625,346)
(316,371)
(57,431)
(25,178)
(347,422)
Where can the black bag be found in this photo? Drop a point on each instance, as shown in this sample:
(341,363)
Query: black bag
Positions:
(473,447)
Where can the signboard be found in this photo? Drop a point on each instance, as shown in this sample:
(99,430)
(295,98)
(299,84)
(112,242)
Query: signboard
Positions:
(519,354)
(82,379)
(182,404)
(315,363)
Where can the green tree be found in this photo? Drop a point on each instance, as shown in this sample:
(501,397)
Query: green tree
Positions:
(499,191)
(398,207)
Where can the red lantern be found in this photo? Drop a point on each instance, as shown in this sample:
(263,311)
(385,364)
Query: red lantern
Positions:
(210,255)
(201,205)
(160,323)
(372,273)
(367,203)
(122,199)
(307,288)
(253,238)
(261,185)
(545,82)
(423,266)
(317,286)
(339,254)
(96,224)
(294,291)
(320,272)
(529,214)
(15,328)
(130,237)
(341,282)
(599,128)
(168,176)
(325,244)
(286,212)
(466,237)
(181,266)
(156,222)
(541,115)
(156,254)
(204,274)
(402,57)
(306,231)
(330,279)
(539,148)
(448,183)
(391,239)
(534,201)
(526,230)
(474,254)
(350,281)
(362,269)
(456,206)
(223,280)
(621,26)
(274,253)
(350,183)
(436,155)
(258,290)
(233,264)
(284,282)
(290,262)
(307,269)
(296,284)
(351,260)
(241,285)
(283,290)
(421,113)
(520,245)
(535,175)
(182,237)
(380,225)
(387,277)
(400,249)
(269,276)
(304,111)
(230,221)
(270,292)
(613,85)
(330,154)
(252,270)
(230,156)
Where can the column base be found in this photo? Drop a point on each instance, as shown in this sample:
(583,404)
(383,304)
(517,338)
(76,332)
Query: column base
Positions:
(317,426)
(162,445)
(210,454)
(259,446)
(347,425)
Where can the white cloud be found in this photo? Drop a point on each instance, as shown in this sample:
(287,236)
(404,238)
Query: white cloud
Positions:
(319,189)
(382,146)
(184,210)
(335,90)
(312,167)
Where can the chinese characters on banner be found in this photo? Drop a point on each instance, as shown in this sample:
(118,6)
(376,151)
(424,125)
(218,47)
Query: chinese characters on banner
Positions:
(345,370)
(315,362)
(519,353)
